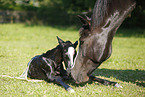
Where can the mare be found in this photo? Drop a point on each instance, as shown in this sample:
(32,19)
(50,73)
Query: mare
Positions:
(49,67)
(96,37)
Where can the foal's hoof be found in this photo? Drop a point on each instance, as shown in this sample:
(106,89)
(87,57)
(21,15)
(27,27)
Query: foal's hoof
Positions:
(118,85)
(70,90)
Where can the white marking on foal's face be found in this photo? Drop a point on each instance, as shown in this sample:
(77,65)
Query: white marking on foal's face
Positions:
(70,53)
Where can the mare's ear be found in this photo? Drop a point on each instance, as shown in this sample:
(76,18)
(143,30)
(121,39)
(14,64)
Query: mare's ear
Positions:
(83,20)
(60,41)
(75,44)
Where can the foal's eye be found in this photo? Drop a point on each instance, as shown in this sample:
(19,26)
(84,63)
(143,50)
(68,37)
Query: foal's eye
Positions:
(65,50)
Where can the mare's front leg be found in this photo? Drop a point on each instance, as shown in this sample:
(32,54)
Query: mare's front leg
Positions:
(59,80)
(105,82)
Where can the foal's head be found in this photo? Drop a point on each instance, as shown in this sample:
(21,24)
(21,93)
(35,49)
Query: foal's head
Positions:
(68,53)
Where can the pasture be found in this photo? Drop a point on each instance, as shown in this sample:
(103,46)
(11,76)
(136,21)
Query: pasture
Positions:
(20,42)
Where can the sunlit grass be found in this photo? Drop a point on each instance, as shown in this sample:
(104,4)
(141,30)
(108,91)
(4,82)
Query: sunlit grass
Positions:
(19,43)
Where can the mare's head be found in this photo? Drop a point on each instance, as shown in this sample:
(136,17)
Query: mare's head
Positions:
(96,35)
(68,53)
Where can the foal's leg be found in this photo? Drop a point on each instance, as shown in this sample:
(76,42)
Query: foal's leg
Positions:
(49,70)
(58,80)
(105,82)
(63,73)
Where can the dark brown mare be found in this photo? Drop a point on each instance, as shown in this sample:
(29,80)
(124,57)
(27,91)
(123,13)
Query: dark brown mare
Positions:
(96,37)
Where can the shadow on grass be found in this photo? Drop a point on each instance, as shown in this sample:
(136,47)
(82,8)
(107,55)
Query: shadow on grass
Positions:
(134,76)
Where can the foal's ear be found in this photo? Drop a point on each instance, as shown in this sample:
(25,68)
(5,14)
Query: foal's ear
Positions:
(75,44)
(60,41)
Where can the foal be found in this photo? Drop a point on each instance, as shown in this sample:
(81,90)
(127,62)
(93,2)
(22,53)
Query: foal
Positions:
(49,67)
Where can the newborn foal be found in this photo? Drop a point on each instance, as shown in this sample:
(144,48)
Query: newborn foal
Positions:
(49,67)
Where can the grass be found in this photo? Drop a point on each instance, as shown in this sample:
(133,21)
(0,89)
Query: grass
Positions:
(19,43)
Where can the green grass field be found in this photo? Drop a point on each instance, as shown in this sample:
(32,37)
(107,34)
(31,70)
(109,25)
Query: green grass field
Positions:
(20,42)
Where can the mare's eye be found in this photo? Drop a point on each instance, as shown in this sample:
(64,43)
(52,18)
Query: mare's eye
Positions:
(81,42)
(81,29)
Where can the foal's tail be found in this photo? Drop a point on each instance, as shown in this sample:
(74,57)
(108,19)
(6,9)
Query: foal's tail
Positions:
(23,75)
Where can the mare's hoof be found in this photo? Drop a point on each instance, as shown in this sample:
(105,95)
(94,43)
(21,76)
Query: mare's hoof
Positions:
(118,85)
(70,90)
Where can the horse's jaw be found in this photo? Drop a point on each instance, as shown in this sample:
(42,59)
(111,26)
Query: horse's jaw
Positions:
(82,68)
(78,72)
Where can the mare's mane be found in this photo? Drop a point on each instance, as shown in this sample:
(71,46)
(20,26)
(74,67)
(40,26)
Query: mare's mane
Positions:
(99,12)
(104,8)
